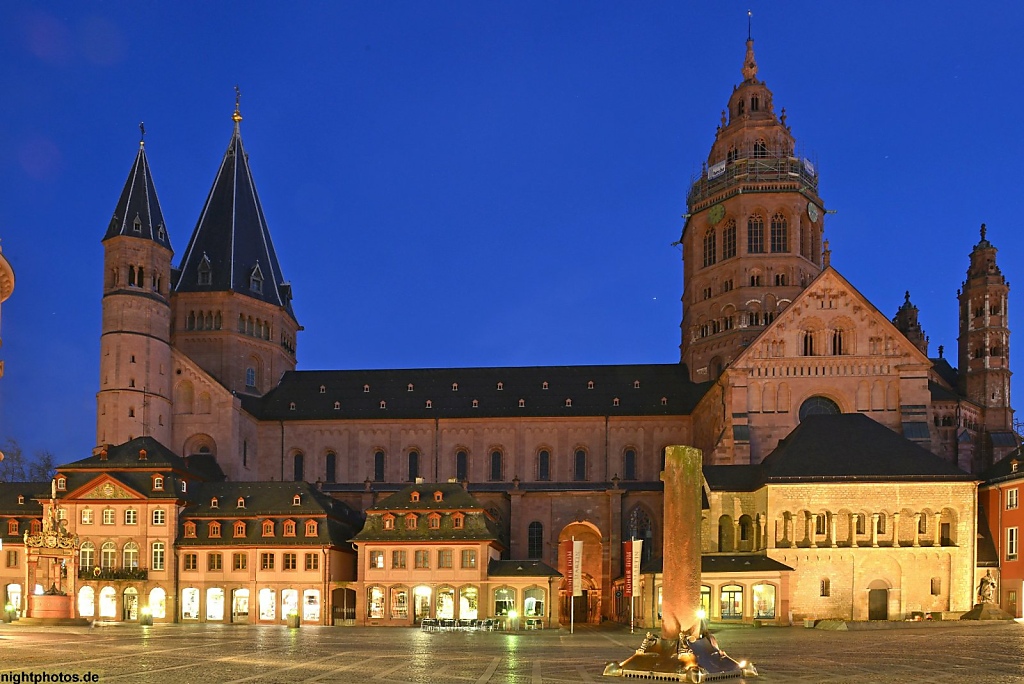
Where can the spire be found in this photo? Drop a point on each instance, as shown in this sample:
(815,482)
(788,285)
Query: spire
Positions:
(231,248)
(237,116)
(749,63)
(906,321)
(138,212)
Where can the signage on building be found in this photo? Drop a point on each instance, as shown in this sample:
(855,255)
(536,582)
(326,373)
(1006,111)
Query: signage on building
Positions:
(632,557)
(716,170)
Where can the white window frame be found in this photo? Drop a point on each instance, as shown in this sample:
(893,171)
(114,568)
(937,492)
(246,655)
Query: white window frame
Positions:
(1011,499)
(1012,542)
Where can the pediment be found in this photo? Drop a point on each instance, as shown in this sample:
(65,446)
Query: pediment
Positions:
(827,305)
(105,487)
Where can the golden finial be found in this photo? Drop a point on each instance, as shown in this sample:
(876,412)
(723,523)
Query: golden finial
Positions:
(237,116)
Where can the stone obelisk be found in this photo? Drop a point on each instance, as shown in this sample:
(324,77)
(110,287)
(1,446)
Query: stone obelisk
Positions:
(680,598)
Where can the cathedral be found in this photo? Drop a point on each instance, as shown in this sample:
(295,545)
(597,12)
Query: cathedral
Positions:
(838,453)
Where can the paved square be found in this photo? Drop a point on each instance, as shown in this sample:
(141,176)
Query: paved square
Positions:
(181,654)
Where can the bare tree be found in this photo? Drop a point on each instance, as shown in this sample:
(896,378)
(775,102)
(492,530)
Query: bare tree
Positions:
(12,467)
(43,467)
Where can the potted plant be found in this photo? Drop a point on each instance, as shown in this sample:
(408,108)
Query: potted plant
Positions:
(293,619)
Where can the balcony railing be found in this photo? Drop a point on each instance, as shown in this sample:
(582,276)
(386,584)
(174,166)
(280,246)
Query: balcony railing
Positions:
(99,573)
(753,174)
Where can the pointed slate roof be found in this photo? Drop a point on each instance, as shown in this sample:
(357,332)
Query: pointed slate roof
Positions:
(138,212)
(231,242)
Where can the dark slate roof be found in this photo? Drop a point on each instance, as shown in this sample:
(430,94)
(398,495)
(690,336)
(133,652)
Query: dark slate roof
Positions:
(232,237)
(127,456)
(336,521)
(725,563)
(854,447)
(206,466)
(941,392)
(25,512)
(733,478)
(453,498)
(945,371)
(139,201)
(988,556)
(140,481)
(478,525)
(1003,468)
(348,389)
(520,568)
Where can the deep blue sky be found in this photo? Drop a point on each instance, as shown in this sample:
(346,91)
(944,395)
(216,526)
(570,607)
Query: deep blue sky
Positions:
(485,183)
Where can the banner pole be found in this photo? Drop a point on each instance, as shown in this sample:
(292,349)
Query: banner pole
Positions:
(632,603)
(572,590)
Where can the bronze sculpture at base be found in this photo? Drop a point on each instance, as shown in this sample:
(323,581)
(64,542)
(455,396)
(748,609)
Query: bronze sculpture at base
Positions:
(686,650)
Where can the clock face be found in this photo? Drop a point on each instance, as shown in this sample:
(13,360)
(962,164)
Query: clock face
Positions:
(812,211)
(716,213)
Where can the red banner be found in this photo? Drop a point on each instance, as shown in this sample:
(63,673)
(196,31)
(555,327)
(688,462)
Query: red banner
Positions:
(627,554)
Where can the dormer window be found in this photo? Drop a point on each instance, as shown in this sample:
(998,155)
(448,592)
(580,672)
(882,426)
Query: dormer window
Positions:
(389,522)
(544,385)
(161,234)
(615,401)
(291,406)
(568,403)
(289,528)
(256,280)
(240,503)
(414,497)
(455,387)
(458,520)
(214,503)
(410,522)
(664,401)
(184,486)
(239,529)
(366,388)
(383,404)
(268,528)
(296,500)
(12,527)
(409,388)
(311,528)
(323,389)
(204,272)
(434,521)
(190,530)
(430,404)
(590,384)
(137,224)
(438,496)
(214,530)
(636,384)
(501,386)
(1013,466)
(62,484)
(476,404)
(337,406)
(522,403)
(21,499)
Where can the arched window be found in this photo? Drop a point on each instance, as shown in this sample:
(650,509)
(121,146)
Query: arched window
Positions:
(108,555)
(729,240)
(130,556)
(461,465)
(818,405)
(579,471)
(629,465)
(378,466)
(732,602)
(543,465)
(837,342)
(87,555)
(755,234)
(808,342)
(496,466)
(760,149)
(535,540)
(204,273)
(755,103)
(709,247)
(250,377)
(414,465)
(298,467)
(780,233)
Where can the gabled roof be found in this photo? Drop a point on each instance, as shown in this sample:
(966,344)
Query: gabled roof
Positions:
(733,478)
(138,212)
(477,525)
(852,447)
(128,455)
(453,498)
(232,239)
(941,367)
(1003,469)
(520,568)
(31,491)
(451,393)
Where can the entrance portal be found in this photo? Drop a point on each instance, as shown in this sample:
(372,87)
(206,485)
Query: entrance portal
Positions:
(420,604)
(130,607)
(878,604)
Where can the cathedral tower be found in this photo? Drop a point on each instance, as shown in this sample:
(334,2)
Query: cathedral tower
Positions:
(232,306)
(135,353)
(752,238)
(984,342)
(906,321)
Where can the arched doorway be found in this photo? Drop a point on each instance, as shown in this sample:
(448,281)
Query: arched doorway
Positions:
(130,604)
(587,607)
(878,600)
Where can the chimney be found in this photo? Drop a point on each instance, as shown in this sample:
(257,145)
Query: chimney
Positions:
(103,454)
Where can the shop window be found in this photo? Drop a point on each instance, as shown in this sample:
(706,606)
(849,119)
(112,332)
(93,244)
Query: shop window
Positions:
(504,601)
(764,601)
(732,602)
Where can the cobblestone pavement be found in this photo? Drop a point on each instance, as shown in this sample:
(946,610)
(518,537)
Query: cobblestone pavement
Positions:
(181,654)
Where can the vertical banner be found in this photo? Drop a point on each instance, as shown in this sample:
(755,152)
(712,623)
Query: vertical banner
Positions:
(627,555)
(566,552)
(635,552)
(577,568)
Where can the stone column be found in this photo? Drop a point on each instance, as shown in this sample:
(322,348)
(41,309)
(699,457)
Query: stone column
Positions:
(874,530)
(680,593)
(736,534)
(935,532)
(895,530)
(814,530)
(762,524)
(854,517)
(832,528)
(917,529)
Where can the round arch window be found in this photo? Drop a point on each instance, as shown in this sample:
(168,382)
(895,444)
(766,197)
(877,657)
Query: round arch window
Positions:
(819,406)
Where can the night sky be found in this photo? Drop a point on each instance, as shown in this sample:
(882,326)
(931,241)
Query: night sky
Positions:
(485,183)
